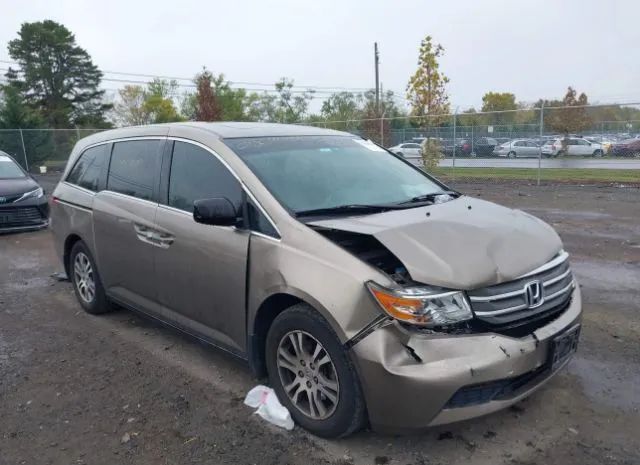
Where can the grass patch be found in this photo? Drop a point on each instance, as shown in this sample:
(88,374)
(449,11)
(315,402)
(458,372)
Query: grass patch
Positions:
(546,174)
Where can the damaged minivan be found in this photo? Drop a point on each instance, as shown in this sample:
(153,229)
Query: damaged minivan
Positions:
(365,290)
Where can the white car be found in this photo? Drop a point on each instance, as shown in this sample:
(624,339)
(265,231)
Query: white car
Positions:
(517,148)
(407,149)
(575,146)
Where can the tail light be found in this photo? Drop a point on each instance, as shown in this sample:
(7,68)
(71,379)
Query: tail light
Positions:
(465,147)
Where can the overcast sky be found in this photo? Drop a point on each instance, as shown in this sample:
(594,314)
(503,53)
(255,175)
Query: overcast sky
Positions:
(531,48)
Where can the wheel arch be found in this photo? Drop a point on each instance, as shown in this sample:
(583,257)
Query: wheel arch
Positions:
(69,242)
(270,307)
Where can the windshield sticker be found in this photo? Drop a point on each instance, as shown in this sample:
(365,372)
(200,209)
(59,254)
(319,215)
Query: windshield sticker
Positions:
(369,145)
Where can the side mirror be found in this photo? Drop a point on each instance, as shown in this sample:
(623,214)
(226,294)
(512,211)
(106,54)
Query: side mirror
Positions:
(218,211)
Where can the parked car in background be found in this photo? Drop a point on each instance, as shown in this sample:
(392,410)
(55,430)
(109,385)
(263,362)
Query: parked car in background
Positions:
(23,205)
(462,147)
(626,148)
(518,148)
(366,291)
(572,146)
(602,140)
(407,149)
(483,146)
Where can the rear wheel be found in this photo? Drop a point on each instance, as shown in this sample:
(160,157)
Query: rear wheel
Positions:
(86,280)
(312,374)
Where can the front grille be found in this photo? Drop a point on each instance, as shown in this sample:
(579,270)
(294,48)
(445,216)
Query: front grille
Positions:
(16,217)
(501,389)
(508,305)
(5,199)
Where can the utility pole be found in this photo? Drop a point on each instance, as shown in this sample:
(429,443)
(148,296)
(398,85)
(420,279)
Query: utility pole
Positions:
(377,62)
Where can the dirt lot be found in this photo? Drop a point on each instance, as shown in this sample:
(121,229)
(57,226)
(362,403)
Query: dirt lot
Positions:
(118,389)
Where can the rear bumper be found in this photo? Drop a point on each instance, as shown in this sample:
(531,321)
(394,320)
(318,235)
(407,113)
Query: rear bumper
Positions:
(404,394)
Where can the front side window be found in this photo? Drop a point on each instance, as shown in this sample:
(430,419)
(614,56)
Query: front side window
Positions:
(86,171)
(133,168)
(313,172)
(197,174)
(9,169)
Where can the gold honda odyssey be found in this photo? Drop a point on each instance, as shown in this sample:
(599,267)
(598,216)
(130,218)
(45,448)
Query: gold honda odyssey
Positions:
(368,292)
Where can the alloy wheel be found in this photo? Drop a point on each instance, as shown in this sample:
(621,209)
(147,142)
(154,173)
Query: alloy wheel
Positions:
(308,375)
(83,277)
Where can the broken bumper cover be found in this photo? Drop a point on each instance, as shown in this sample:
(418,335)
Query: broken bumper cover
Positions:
(459,377)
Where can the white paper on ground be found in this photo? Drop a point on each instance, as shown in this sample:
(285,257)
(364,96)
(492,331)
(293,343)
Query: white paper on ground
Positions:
(269,407)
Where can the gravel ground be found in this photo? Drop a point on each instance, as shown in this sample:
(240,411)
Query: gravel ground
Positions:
(119,389)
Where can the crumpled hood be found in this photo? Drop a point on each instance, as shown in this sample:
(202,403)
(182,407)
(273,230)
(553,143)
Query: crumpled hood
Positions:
(461,244)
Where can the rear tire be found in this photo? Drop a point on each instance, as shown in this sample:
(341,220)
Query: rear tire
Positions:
(86,280)
(323,391)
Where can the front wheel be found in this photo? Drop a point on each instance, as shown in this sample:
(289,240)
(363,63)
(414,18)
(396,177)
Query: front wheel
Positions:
(598,153)
(312,374)
(511,155)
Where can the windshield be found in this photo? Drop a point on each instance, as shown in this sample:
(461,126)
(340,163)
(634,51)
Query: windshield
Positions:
(317,172)
(8,168)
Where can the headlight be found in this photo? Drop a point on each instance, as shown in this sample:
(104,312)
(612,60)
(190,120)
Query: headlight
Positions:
(36,193)
(423,306)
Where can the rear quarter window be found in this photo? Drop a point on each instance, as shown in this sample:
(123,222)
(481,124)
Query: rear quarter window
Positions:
(88,168)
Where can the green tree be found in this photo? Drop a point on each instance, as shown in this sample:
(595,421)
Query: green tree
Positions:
(154,104)
(501,102)
(128,110)
(342,107)
(426,90)
(56,76)
(285,106)
(564,118)
(15,114)
(498,101)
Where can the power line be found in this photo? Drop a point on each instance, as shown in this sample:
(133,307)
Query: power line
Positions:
(241,83)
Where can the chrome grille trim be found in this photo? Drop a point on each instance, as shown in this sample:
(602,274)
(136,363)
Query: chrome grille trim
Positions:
(507,295)
(558,260)
(507,303)
(562,291)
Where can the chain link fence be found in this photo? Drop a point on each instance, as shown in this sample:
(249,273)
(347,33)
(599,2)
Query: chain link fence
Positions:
(577,144)
(39,150)
(539,145)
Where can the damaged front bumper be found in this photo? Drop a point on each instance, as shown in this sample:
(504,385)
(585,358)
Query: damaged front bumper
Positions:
(412,381)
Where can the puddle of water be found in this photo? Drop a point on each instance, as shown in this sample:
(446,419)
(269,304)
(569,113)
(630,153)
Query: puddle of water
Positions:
(615,384)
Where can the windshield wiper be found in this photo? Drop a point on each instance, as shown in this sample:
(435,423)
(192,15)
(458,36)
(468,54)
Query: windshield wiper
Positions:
(429,197)
(354,208)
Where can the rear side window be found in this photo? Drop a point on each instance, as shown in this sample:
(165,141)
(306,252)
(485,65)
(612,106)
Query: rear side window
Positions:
(87,170)
(133,168)
(197,174)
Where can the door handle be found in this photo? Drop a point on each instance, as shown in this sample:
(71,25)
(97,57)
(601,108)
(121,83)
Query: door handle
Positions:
(153,237)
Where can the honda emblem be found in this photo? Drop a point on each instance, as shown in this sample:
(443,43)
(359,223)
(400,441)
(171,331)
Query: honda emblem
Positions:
(534,293)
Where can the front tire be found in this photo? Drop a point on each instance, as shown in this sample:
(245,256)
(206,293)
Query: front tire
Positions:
(598,153)
(511,154)
(312,374)
(86,280)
